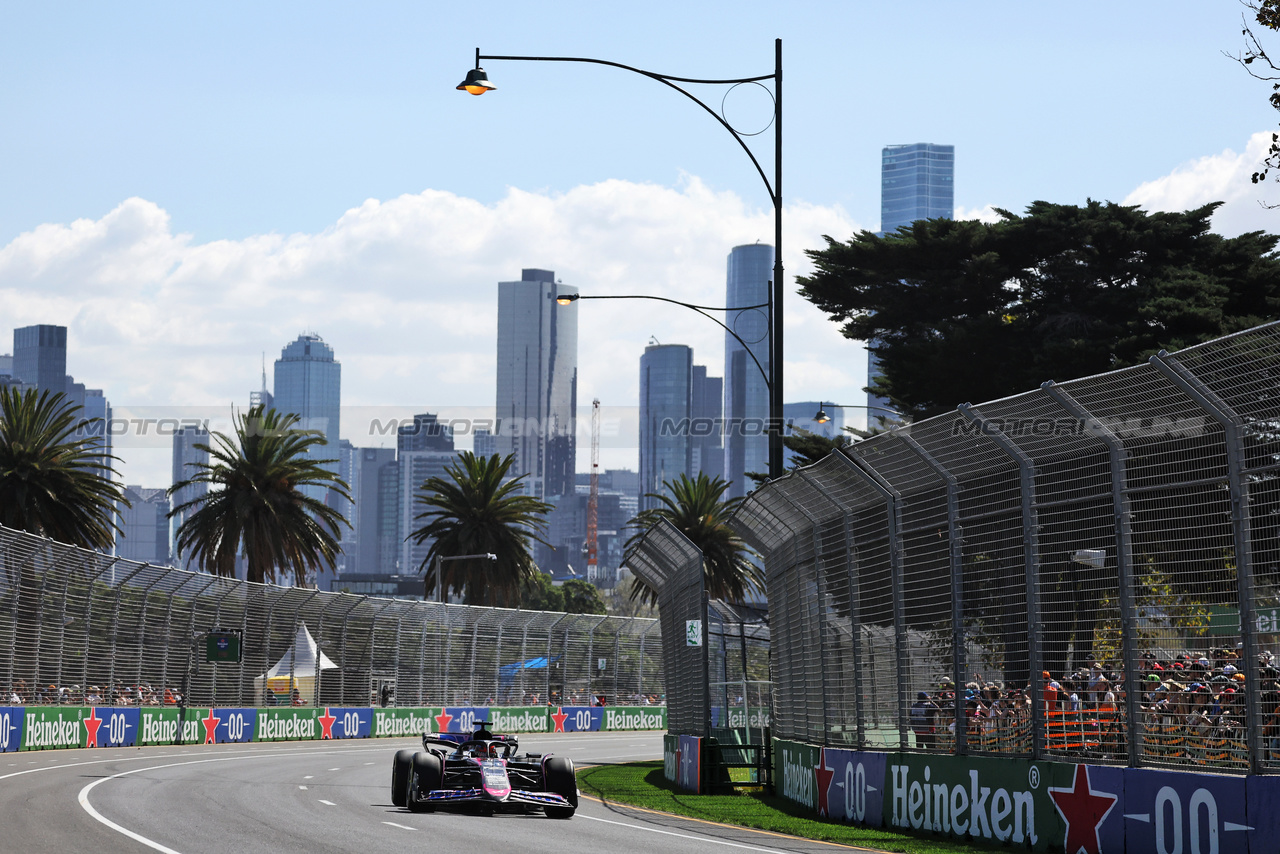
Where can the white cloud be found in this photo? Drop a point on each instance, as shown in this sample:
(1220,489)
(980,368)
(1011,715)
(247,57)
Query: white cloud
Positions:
(1223,177)
(404,290)
(986,213)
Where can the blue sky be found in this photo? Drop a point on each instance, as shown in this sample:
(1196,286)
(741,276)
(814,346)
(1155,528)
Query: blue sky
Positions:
(187,186)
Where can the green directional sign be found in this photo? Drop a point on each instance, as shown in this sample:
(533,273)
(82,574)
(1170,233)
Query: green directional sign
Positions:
(222,646)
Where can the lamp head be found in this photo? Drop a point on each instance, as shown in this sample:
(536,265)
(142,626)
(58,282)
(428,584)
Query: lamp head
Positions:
(476,83)
(565,299)
(821,415)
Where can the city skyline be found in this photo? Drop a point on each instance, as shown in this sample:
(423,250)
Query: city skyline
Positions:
(325,198)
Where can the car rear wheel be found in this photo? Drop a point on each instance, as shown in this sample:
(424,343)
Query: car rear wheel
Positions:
(400,776)
(559,780)
(425,775)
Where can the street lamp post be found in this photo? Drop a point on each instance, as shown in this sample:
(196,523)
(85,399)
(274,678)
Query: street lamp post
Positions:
(569,299)
(477,83)
(439,570)
(822,417)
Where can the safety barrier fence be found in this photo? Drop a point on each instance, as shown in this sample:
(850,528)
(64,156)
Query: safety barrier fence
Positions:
(1089,571)
(82,628)
(52,727)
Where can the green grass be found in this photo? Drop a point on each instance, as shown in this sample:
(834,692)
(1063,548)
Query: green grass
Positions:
(643,784)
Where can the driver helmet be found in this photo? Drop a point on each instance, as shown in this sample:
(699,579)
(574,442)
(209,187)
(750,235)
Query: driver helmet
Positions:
(494,750)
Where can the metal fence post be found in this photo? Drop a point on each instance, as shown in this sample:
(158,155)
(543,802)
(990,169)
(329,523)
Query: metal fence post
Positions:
(1124,562)
(893,515)
(1233,438)
(855,626)
(955,537)
(1031,564)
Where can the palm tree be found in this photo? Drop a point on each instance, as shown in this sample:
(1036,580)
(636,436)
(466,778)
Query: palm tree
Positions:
(257,501)
(475,510)
(697,508)
(54,482)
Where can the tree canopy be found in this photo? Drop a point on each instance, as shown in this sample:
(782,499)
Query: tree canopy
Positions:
(698,509)
(55,480)
(257,502)
(964,311)
(477,509)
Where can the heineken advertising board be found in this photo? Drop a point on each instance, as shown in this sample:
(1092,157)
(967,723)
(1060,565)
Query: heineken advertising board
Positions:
(11,728)
(1038,806)
(48,727)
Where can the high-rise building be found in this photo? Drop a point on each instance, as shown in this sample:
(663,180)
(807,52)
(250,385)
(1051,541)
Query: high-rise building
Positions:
(666,407)
(308,383)
(372,506)
(424,449)
(483,443)
(537,382)
(40,357)
(144,526)
(746,390)
(187,459)
(707,439)
(917,181)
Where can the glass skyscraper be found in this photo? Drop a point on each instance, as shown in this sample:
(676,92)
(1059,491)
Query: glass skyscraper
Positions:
(666,404)
(40,357)
(746,393)
(537,382)
(917,181)
(308,383)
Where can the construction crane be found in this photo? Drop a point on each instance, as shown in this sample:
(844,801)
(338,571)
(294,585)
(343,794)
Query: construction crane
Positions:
(593,499)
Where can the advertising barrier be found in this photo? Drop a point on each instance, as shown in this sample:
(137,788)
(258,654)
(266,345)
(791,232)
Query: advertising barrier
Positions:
(689,763)
(11,728)
(1038,806)
(51,727)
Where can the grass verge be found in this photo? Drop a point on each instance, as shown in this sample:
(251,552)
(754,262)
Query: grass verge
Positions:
(643,784)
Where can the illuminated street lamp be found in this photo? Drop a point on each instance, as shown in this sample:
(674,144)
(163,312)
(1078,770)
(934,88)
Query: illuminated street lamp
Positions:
(822,417)
(477,83)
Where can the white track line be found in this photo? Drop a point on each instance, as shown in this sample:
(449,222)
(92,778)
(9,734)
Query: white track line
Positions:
(707,839)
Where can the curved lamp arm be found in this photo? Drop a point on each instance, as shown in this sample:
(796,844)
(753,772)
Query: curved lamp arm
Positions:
(700,309)
(670,80)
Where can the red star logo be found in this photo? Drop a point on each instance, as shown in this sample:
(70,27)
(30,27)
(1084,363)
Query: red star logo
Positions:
(824,782)
(326,724)
(91,724)
(559,717)
(1083,810)
(442,721)
(210,728)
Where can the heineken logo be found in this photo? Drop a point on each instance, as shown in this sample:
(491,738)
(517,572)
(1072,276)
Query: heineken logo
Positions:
(526,721)
(389,726)
(971,807)
(632,720)
(286,728)
(797,778)
(52,733)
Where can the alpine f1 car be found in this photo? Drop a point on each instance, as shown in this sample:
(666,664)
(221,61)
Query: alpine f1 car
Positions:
(484,773)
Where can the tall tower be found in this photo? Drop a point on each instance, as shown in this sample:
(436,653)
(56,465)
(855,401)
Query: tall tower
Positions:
(537,393)
(917,181)
(40,357)
(746,392)
(186,465)
(308,383)
(666,405)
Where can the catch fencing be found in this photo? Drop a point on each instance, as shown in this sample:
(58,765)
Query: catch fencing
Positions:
(76,622)
(1117,531)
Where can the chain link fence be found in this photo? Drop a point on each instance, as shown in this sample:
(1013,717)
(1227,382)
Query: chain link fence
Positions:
(1087,570)
(78,623)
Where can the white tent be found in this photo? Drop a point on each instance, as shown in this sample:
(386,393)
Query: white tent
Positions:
(298,668)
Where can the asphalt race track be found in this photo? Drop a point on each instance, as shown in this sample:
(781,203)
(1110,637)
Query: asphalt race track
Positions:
(266,798)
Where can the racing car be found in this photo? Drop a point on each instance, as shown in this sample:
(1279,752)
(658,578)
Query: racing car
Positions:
(482,772)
